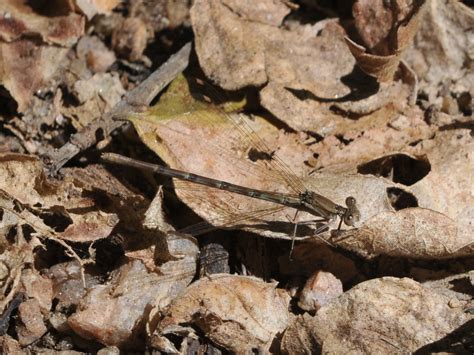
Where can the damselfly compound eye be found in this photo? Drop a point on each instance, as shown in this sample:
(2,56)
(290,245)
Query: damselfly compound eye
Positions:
(349,220)
(350,201)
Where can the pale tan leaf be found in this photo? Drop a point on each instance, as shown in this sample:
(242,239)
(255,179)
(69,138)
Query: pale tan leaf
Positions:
(386,315)
(238,313)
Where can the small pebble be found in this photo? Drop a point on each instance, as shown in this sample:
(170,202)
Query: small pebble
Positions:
(319,289)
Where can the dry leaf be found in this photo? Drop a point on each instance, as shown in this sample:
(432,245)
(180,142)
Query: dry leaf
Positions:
(299,338)
(90,8)
(22,176)
(383,132)
(411,232)
(155,216)
(238,313)
(381,67)
(130,39)
(17,215)
(383,62)
(8,345)
(269,12)
(14,257)
(38,287)
(119,197)
(440,224)
(384,315)
(442,51)
(97,56)
(95,95)
(90,226)
(228,36)
(114,313)
(308,71)
(160,243)
(373,21)
(26,64)
(448,186)
(32,326)
(21,214)
(257,52)
(457,288)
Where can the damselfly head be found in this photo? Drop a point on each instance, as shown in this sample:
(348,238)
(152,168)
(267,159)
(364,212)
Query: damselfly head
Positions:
(352,214)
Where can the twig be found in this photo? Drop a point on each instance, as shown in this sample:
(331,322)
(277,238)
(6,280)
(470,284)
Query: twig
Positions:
(135,100)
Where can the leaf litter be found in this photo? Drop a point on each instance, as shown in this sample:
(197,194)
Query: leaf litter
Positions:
(374,102)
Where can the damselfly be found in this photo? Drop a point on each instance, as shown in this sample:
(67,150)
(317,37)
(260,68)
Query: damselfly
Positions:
(302,199)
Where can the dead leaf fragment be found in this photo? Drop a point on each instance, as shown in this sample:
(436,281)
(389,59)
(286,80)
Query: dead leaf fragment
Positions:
(38,287)
(96,95)
(130,39)
(381,67)
(373,21)
(114,313)
(23,77)
(94,52)
(222,33)
(32,325)
(26,64)
(371,136)
(19,18)
(23,178)
(443,46)
(90,8)
(270,12)
(236,312)
(308,71)
(411,232)
(319,289)
(155,216)
(448,186)
(8,345)
(14,258)
(90,226)
(127,204)
(22,214)
(385,58)
(299,338)
(457,288)
(238,51)
(377,316)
